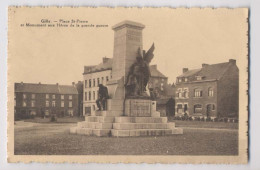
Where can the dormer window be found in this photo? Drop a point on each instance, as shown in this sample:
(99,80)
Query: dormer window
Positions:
(180,80)
(186,79)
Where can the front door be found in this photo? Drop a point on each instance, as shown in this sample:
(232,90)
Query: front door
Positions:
(208,110)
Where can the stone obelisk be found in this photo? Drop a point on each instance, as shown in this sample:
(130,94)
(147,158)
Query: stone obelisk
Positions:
(127,39)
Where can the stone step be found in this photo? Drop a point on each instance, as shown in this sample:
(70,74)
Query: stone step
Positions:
(140,119)
(130,126)
(145,132)
(108,113)
(89,131)
(101,119)
(95,125)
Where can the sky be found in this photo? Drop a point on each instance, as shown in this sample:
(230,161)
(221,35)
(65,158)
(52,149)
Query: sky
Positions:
(182,37)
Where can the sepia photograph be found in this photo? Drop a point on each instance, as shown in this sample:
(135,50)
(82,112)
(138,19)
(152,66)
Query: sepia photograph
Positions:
(130,85)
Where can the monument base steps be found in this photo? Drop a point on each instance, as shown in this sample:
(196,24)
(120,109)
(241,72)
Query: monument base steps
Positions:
(142,120)
(145,132)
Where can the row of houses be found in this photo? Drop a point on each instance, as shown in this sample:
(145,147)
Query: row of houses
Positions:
(209,91)
(46,99)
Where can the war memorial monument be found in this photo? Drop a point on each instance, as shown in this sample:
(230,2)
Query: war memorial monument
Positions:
(130,111)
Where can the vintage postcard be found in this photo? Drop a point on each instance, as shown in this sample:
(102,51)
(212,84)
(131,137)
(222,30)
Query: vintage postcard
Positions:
(128,85)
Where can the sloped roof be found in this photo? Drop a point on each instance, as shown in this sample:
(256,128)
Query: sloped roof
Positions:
(155,72)
(67,89)
(190,73)
(209,72)
(45,88)
(214,71)
(100,67)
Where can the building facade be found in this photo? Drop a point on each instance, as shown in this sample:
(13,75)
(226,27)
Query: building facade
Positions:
(211,91)
(45,99)
(93,76)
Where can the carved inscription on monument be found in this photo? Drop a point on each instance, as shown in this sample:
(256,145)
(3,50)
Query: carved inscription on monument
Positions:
(141,108)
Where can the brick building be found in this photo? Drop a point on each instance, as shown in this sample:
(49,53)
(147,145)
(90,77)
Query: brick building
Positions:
(101,73)
(209,91)
(45,99)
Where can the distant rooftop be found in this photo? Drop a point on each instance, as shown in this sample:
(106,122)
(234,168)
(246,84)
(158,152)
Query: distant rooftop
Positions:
(213,71)
(45,88)
(107,65)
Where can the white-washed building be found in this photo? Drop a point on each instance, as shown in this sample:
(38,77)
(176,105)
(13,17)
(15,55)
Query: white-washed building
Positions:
(94,75)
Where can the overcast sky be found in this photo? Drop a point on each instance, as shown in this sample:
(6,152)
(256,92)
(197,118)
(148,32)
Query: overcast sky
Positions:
(182,37)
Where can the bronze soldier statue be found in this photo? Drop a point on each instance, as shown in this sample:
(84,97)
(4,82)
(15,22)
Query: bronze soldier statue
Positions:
(102,97)
(139,73)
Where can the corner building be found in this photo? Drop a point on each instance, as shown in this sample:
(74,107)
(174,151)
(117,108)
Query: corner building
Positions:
(210,91)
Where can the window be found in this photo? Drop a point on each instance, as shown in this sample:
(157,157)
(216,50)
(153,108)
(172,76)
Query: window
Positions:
(70,97)
(94,107)
(89,95)
(86,83)
(180,80)
(213,107)
(162,80)
(94,82)
(47,113)
(98,82)
(62,97)
(33,103)
(24,104)
(53,96)
(186,79)
(47,96)
(185,108)
(199,78)
(210,92)
(86,96)
(53,104)
(89,83)
(102,80)
(179,108)
(24,96)
(94,95)
(70,104)
(186,93)
(161,86)
(33,96)
(198,93)
(62,104)
(107,78)
(197,108)
(47,103)
(179,94)
(70,112)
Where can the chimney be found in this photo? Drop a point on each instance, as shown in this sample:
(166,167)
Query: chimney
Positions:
(105,59)
(204,65)
(184,70)
(21,83)
(73,83)
(57,84)
(232,61)
(39,82)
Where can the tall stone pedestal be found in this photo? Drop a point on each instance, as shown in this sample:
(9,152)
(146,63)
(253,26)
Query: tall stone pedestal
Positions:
(140,119)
